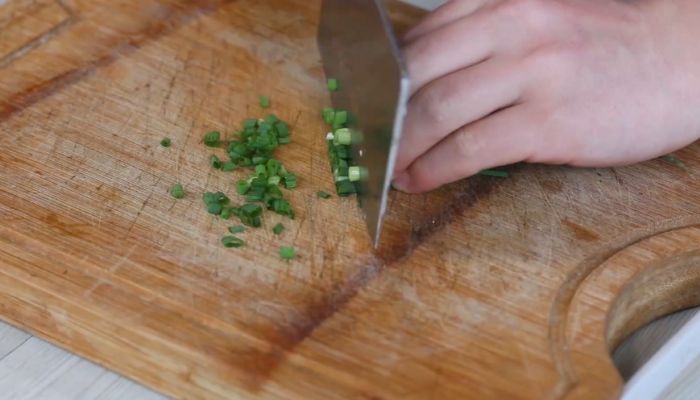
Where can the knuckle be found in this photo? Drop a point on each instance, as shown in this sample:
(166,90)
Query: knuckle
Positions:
(556,60)
(524,8)
(539,16)
(465,144)
(433,105)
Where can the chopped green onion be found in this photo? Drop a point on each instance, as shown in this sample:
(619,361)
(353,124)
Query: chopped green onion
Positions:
(236,229)
(232,241)
(669,158)
(328,115)
(225,213)
(257,160)
(332,85)
(274,180)
(340,118)
(323,195)
(214,161)
(342,136)
(264,102)
(287,253)
(177,191)
(228,166)
(256,193)
(290,181)
(345,188)
(494,173)
(278,229)
(356,174)
(271,118)
(252,210)
(166,142)
(212,139)
(242,187)
(215,202)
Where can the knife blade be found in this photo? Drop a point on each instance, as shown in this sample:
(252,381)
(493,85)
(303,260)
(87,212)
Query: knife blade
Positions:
(359,48)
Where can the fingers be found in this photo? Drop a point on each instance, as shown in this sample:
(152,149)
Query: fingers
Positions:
(506,137)
(444,15)
(455,46)
(456,100)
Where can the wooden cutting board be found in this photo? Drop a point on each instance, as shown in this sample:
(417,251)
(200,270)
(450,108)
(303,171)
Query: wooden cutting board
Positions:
(491,288)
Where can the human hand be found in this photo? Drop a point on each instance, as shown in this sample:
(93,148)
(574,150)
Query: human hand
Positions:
(591,83)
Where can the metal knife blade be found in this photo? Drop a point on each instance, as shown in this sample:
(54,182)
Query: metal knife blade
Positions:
(359,49)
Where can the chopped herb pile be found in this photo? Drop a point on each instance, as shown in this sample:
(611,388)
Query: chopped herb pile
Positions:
(323,195)
(494,173)
(177,191)
(166,142)
(252,149)
(287,253)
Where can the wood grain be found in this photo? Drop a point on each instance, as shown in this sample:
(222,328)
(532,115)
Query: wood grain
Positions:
(485,289)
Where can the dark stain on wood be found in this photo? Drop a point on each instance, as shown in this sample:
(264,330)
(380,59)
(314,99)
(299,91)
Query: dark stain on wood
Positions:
(397,247)
(580,232)
(552,186)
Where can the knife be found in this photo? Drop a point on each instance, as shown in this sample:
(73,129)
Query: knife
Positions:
(359,48)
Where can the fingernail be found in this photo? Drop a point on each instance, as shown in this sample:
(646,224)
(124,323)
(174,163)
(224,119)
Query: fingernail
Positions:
(401,182)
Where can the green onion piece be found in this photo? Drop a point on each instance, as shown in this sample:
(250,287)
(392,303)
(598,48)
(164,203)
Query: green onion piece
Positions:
(212,139)
(225,213)
(214,161)
(252,210)
(494,173)
(323,195)
(271,119)
(290,181)
(249,123)
(340,118)
(264,102)
(328,115)
(357,174)
(332,85)
(242,187)
(282,129)
(257,160)
(232,241)
(260,171)
(228,166)
(274,180)
(215,202)
(345,188)
(236,229)
(342,136)
(669,158)
(287,253)
(215,208)
(278,229)
(256,193)
(166,142)
(177,191)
